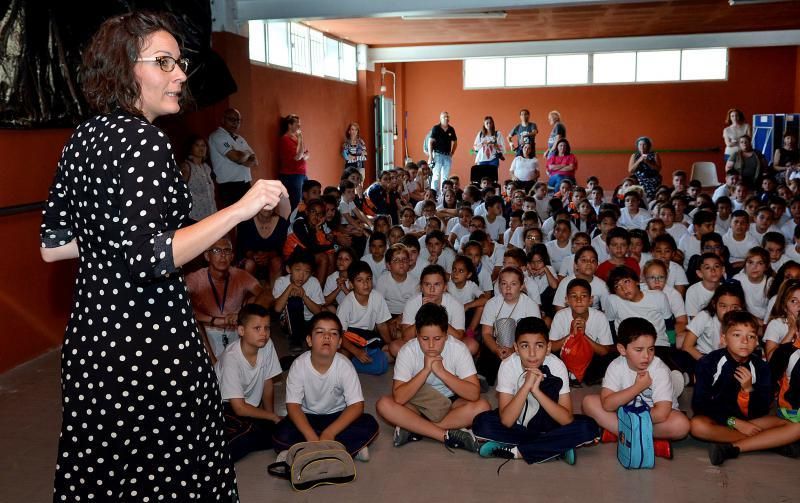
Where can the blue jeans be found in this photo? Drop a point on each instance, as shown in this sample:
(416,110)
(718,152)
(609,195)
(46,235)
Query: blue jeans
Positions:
(555,180)
(294,186)
(441,170)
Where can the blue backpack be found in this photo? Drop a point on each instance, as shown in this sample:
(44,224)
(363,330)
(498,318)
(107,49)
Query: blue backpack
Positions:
(635,441)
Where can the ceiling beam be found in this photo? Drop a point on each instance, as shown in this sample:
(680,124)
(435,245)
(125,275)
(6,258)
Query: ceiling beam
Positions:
(341,9)
(504,49)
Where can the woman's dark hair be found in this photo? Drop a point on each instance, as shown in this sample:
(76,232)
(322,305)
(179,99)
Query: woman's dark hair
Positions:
(541,250)
(739,116)
(486,132)
(190,144)
(107,77)
(647,141)
(732,289)
(288,121)
(567,149)
(780,277)
(641,235)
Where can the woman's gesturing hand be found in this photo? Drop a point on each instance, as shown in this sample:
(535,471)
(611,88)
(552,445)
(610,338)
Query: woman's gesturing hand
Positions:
(263,194)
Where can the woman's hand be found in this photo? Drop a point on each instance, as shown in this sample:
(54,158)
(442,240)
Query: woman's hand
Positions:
(263,194)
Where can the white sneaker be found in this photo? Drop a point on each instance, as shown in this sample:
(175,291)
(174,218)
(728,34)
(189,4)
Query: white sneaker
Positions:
(678,383)
(281,458)
(362,455)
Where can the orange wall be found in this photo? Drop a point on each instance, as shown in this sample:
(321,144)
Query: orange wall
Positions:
(675,116)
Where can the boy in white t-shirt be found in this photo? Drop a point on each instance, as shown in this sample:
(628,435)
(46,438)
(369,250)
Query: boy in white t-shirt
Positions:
(435,391)
(350,213)
(300,294)
(639,374)
(377,251)
(577,323)
(323,395)
(396,285)
(461,226)
(738,239)
(534,420)
(495,222)
(710,270)
(245,371)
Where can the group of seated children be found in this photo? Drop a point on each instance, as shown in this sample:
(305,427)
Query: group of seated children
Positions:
(531,293)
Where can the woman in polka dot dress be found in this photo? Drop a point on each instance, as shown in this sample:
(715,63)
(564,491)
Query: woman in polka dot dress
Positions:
(142,417)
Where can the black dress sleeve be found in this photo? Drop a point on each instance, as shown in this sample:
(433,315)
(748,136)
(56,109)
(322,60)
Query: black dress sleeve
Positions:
(56,228)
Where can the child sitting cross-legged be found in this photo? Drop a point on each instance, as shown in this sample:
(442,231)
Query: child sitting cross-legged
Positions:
(534,420)
(435,391)
(638,372)
(245,371)
(396,284)
(323,395)
(733,394)
(300,295)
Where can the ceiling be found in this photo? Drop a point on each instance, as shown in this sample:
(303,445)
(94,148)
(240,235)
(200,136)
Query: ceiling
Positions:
(565,23)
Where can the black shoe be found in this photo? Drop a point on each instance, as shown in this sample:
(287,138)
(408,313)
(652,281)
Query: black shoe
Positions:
(461,439)
(718,453)
(790,451)
(483,383)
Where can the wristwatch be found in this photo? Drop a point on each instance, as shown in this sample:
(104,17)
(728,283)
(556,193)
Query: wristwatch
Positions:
(731,422)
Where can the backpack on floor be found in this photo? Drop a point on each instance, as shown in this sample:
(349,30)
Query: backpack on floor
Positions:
(635,441)
(312,464)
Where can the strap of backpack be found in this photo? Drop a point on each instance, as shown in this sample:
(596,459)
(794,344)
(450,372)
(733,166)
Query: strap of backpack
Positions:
(280,469)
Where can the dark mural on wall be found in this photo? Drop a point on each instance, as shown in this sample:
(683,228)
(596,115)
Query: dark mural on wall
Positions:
(40,54)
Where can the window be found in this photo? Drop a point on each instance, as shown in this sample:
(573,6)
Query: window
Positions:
(484,72)
(704,64)
(258,44)
(614,67)
(530,71)
(301,56)
(348,62)
(278,42)
(658,66)
(302,49)
(568,69)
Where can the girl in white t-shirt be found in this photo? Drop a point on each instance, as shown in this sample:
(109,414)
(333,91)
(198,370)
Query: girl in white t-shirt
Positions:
(464,287)
(559,248)
(337,286)
(755,280)
(408,222)
(654,274)
(783,326)
(702,336)
(544,275)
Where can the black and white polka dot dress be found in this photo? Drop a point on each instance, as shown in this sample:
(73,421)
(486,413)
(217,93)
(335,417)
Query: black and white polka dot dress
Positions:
(142,415)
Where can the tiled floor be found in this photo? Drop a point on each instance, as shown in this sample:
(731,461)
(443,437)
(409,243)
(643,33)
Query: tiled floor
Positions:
(421,472)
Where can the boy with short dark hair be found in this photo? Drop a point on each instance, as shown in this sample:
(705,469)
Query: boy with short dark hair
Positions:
(311,190)
(323,395)
(435,391)
(639,373)
(732,397)
(762,223)
(541,200)
(724,208)
(534,419)
(702,223)
(495,222)
(710,270)
(775,244)
(738,239)
(617,242)
(245,372)
(732,178)
(300,294)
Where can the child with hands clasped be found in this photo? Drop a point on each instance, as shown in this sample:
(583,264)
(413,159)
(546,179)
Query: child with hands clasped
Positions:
(435,391)
(702,336)
(300,294)
(534,420)
(755,280)
(337,286)
(638,372)
(733,394)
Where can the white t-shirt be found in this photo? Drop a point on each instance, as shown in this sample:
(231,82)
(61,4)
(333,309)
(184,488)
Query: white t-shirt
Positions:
(600,246)
(465,295)
(676,275)
(770,305)
(543,207)
(722,190)
(638,221)
(496,228)
(396,294)
(459,230)
(485,279)
(531,289)
(510,379)
(445,259)
(524,168)
(311,287)
(480,210)
(676,231)
(776,330)
(597,327)
(377,266)
(707,329)
(238,379)
(674,298)
(738,249)
(517,238)
(541,281)
(787,229)
(697,298)
(620,376)
(755,296)
(557,254)
(326,393)
(690,246)
(760,235)
(455,310)
(346,208)
(722,226)
(220,142)
(507,235)
(567,266)
(599,292)
(653,307)
(352,314)
(497,307)
(455,359)
(330,286)
(451,223)
(496,258)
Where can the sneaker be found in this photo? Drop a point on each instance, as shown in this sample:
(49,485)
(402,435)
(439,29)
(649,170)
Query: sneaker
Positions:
(403,436)
(662,448)
(461,439)
(608,438)
(494,449)
(281,458)
(483,383)
(718,453)
(362,455)
(790,451)
(568,456)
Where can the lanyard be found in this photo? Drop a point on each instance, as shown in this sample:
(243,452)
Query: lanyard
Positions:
(220,305)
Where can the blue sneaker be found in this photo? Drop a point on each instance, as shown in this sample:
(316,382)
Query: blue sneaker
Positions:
(568,456)
(494,449)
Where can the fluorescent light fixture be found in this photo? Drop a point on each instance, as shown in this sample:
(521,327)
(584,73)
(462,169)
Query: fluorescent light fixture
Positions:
(434,16)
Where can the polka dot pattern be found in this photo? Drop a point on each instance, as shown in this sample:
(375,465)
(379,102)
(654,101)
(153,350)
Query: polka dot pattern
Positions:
(142,415)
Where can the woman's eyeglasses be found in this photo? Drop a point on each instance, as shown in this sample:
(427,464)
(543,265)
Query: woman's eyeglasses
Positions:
(167,63)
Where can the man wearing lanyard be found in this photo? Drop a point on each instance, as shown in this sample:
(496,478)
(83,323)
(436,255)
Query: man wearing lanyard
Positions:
(217,293)
(232,158)
(441,147)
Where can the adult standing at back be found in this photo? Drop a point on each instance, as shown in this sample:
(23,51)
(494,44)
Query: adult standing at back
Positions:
(354,150)
(489,148)
(735,128)
(525,132)
(293,154)
(232,158)
(558,133)
(645,165)
(441,147)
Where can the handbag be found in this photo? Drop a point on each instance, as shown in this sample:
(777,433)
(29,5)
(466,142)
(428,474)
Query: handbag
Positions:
(577,353)
(312,464)
(635,440)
